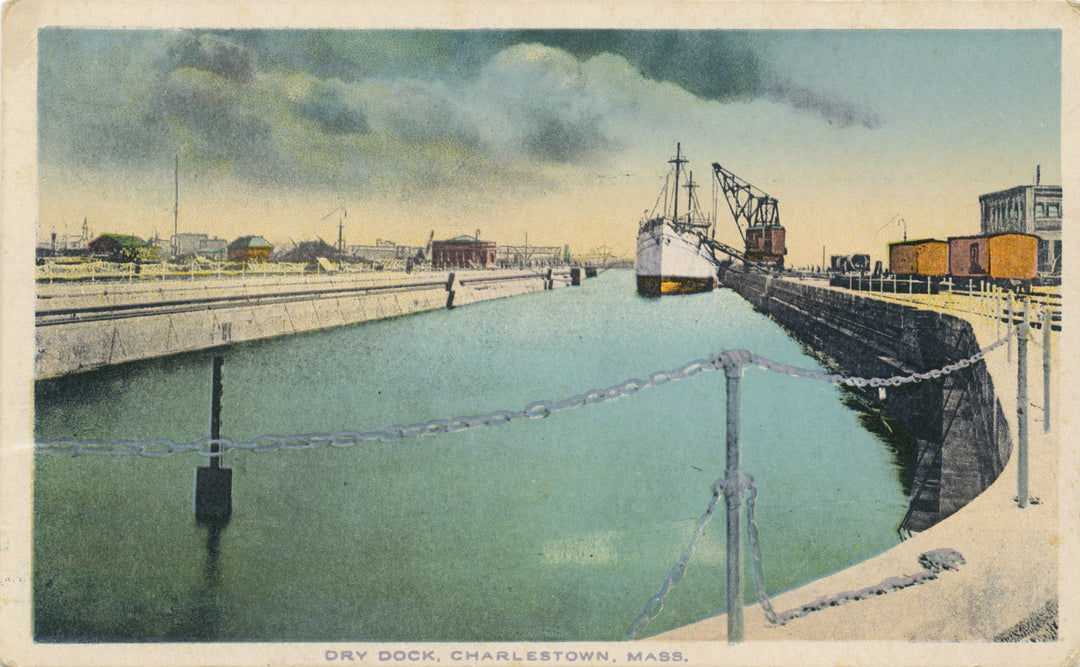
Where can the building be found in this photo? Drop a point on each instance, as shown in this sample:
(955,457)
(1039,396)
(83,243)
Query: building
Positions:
(525,255)
(249,249)
(463,252)
(202,245)
(1027,209)
(121,247)
(383,251)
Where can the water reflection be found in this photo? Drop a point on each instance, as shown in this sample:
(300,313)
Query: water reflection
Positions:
(207,613)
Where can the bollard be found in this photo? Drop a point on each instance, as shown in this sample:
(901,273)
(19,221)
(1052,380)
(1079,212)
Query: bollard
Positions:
(1022,411)
(213,483)
(549,282)
(734,361)
(450,290)
(1047,324)
(575,276)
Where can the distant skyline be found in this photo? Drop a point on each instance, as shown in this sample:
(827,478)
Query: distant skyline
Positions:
(563,135)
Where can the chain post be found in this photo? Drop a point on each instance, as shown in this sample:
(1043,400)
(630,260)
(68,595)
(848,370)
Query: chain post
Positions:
(1047,325)
(1022,408)
(213,483)
(734,363)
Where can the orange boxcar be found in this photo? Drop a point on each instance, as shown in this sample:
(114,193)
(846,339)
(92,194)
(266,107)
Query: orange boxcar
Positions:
(925,257)
(1013,256)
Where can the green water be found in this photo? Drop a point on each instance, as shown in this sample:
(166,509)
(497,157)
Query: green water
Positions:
(551,529)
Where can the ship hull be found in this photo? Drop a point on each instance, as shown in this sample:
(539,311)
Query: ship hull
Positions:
(673,262)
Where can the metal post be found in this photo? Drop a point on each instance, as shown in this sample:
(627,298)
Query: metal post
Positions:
(1047,324)
(1022,411)
(213,483)
(734,361)
(215,412)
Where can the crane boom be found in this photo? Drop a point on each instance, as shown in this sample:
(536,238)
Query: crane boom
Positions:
(748,204)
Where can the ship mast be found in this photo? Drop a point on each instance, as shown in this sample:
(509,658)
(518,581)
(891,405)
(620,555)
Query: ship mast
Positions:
(678,161)
(690,187)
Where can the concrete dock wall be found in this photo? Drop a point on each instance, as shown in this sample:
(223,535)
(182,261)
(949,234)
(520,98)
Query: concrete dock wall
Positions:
(85,326)
(962,435)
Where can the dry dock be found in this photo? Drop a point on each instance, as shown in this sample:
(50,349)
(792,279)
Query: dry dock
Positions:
(1007,587)
(85,325)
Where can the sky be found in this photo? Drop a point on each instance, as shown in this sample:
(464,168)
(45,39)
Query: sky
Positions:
(561,137)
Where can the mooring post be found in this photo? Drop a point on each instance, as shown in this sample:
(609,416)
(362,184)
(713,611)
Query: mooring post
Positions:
(575,276)
(213,483)
(1047,324)
(1022,409)
(450,290)
(734,362)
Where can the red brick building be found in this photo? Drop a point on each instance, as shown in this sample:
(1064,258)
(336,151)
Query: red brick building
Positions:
(462,252)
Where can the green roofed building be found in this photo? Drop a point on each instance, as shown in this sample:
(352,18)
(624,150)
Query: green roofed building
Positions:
(249,248)
(120,246)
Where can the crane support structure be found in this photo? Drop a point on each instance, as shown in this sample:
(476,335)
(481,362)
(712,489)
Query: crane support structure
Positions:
(748,204)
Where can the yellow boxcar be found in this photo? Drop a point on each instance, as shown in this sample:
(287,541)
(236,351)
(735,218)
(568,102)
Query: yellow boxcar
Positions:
(1013,256)
(925,257)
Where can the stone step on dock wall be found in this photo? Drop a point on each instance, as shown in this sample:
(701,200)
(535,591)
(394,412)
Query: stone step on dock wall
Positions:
(128,326)
(960,429)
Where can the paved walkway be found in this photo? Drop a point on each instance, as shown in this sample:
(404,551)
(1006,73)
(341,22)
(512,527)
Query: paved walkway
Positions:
(1011,566)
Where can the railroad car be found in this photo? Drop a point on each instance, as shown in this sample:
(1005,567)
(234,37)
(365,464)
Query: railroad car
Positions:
(924,257)
(1005,256)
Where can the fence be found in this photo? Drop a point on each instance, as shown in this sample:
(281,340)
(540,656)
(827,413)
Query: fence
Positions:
(733,484)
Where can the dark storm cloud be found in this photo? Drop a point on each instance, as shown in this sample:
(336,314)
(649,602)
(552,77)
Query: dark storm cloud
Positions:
(714,65)
(333,114)
(264,101)
(210,53)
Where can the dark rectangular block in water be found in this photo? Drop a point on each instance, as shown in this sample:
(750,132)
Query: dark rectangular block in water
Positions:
(213,491)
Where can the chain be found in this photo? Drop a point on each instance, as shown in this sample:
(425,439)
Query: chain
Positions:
(655,604)
(755,554)
(934,563)
(156,447)
(206,446)
(894,381)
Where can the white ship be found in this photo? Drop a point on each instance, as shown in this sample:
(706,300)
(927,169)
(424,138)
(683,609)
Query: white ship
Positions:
(673,255)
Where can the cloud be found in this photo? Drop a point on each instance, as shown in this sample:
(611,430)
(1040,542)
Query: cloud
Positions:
(215,54)
(333,114)
(406,111)
(832,110)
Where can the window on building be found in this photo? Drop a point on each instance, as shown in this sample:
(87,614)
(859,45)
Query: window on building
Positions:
(1053,210)
(1040,210)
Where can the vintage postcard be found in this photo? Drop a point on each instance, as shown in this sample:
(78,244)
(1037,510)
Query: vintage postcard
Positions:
(552,333)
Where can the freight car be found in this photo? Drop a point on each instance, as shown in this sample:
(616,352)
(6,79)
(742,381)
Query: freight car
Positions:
(1008,259)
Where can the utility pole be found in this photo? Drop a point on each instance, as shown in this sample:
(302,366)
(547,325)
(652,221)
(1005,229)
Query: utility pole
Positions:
(176,205)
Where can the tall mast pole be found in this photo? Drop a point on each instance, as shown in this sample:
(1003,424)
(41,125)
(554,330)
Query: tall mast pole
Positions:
(678,161)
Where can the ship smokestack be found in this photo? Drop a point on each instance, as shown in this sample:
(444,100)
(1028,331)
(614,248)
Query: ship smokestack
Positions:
(1038,167)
